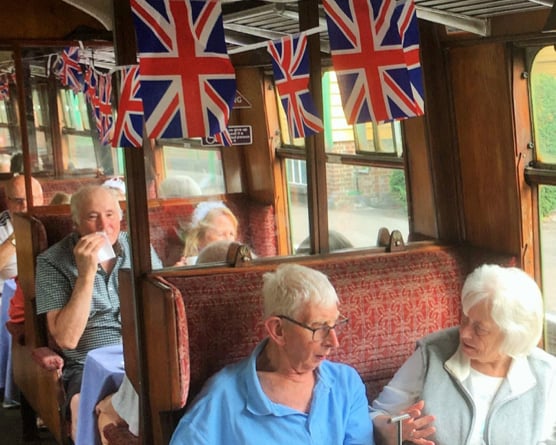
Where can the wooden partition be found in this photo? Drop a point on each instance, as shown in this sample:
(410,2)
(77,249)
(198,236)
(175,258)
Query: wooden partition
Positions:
(41,387)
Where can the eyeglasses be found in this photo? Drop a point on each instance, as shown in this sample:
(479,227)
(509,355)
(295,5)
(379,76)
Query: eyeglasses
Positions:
(321,333)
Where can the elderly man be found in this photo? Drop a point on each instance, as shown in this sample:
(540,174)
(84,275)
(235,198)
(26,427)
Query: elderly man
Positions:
(16,202)
(77,284)
(286,391)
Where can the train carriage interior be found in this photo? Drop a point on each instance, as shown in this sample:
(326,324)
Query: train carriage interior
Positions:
(395,211)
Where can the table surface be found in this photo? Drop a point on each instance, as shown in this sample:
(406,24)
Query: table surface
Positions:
(102,375)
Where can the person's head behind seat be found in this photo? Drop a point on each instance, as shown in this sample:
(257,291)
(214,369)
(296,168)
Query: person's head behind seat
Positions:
(215,252)
(293,286)
(515,303)
(17,198)
(211,221)
(336,241)
(60,198)
(178,187)
(95,208)
(16,163)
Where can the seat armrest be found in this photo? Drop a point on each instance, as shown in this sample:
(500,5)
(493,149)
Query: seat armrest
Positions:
(17,331)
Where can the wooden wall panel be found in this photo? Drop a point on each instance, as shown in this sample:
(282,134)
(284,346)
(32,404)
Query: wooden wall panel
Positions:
(440,161)
(485,137)
(258,156)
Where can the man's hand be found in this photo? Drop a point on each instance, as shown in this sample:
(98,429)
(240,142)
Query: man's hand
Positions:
(86,253)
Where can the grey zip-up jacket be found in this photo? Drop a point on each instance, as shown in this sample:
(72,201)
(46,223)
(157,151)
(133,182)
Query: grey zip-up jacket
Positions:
(523,410)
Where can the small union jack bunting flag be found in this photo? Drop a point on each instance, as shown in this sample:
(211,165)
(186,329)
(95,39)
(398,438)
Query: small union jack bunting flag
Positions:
(69,71)
(90,84)
(290,64)
(103,108)
(187,80)
(128,129)
(4,87)
(369,60)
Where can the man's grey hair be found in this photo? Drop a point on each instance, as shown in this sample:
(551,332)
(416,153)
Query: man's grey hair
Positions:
(83,193)
(292,286)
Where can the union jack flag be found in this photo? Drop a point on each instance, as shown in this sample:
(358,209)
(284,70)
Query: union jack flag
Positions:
(128,129)
(4,88)
(90,84)
(103,108)
(69,70)
(187,80)
(409,30)
(291,74)
(369,60)
(223,138)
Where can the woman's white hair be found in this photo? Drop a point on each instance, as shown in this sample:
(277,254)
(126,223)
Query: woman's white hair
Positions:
(292,286)
(515,301)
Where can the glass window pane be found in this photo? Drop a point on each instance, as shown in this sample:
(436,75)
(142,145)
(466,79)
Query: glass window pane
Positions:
(381,138)
(547,214)
(543,97)
(296,176)
(3,112)
(202,167)
(81,153)
(361,200)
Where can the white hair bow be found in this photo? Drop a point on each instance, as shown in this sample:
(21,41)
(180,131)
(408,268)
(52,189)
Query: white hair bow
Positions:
(203,209)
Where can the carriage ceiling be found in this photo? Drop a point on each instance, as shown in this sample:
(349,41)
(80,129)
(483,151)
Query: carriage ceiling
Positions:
(250,22)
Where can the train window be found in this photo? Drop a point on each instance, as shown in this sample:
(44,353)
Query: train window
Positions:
(543,173)
(78,144)
(200,166)
(364,169)
(548,260)
(9,129)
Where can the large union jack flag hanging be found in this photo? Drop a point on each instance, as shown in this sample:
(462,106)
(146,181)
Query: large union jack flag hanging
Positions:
(102,106)
(290,63)
(369,59)
(69,71)
(187,80)
(128,129)
(409,30)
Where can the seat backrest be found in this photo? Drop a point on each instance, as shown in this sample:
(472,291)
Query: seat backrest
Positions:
(391,299)
(165,348)
(31,240)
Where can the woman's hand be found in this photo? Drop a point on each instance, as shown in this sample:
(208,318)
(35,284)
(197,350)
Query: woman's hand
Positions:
(417,428)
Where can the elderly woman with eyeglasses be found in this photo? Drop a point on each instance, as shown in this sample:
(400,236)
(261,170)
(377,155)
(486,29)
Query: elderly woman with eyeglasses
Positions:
(286,391)
(484,383)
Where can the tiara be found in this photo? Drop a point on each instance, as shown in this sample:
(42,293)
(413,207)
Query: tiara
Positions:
(203,209)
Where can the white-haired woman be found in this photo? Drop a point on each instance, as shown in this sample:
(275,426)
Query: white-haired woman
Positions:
(484,383)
